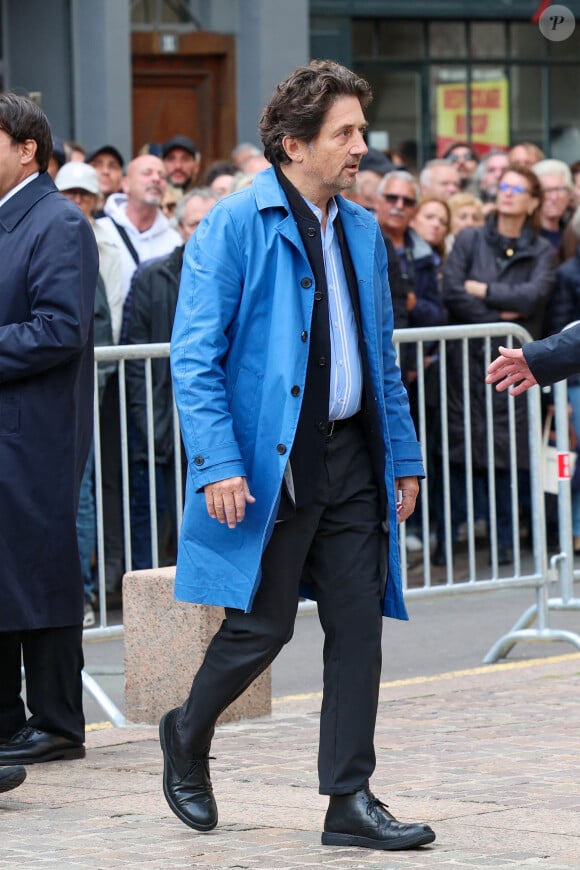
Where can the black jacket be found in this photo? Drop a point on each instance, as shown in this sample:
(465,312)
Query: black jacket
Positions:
(520,278)
(154,293)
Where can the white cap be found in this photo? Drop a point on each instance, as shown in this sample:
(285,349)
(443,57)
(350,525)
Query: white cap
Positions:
(75,175)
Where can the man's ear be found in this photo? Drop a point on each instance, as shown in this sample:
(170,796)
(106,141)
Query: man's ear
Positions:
(28,150)
(293,148)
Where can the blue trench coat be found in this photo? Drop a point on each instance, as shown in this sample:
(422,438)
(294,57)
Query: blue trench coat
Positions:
(237,350)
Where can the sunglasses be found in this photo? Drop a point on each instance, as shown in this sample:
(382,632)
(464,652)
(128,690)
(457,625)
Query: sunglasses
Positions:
(515,188)
(393,199)
(455,158)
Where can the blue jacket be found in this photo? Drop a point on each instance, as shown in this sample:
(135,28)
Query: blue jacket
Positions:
(239,345)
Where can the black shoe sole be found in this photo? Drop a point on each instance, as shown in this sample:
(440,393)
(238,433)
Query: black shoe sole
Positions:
(393,845)
(168,796)
(54,755)
(14,780)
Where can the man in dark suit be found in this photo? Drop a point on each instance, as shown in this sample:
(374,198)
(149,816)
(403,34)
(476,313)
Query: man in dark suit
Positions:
(540,362)
(49,274)
(298,435)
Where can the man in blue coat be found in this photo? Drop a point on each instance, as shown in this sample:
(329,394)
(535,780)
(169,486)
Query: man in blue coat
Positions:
(298,437)
(49,273)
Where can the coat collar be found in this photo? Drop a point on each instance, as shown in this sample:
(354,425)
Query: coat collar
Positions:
(20,204)
(360,227)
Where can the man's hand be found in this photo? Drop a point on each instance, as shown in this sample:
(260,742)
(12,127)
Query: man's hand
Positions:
(226,500)
(508,369)
(408,487)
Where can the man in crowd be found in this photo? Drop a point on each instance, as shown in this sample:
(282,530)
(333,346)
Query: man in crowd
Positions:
(556,180)
(182,162)
(153,303)
(79,183)
(439,178)
(488,175)
(462,155)
(50,268)
(142,231)
(107,161)
(396,204)
(298,435)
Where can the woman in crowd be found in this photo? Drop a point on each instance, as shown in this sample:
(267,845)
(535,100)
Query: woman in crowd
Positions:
(502,271)
(465,210)
(431,221)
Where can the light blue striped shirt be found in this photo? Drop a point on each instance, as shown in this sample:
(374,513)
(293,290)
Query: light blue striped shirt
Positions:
(346,379)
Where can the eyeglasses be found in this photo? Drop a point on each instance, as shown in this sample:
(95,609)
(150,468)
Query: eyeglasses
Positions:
(393,199)
(455,157)
(558,190)
(514,188)
(77,193)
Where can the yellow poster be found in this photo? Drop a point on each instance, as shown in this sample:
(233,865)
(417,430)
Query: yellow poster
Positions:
(489,115)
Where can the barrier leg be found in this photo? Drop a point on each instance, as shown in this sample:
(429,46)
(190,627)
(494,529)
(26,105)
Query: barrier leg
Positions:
(92,687)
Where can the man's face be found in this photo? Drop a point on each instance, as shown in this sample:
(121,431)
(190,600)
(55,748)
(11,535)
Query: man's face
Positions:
(109,173)
(196,209)
(576,191)
(494,166)
(444,181)
(85,200)
(556,196)
(396,206)
(145,181)
(329,163)
(10,165)
(462,157)
(181,167)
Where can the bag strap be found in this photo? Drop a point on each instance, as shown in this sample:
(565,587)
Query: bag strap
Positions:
(128,243)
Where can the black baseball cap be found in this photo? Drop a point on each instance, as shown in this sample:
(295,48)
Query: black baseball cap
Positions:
(376,161)
(106,149)
(179,142)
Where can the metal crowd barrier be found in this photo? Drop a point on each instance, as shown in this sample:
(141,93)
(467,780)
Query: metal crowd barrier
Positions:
(475,576)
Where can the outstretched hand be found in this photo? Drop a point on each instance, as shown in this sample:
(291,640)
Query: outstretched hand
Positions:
(511,370)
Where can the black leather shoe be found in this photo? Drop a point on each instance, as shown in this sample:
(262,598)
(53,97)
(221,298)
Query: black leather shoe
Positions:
(360,819)
(31,746)
(186,783)
(11,777)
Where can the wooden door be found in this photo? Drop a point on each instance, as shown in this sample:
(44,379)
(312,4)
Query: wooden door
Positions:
(187,92)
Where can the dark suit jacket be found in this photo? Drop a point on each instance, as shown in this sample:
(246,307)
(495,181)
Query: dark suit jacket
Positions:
(556,357)
(49,274)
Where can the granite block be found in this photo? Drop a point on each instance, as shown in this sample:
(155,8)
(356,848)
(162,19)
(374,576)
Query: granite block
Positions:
(165,642)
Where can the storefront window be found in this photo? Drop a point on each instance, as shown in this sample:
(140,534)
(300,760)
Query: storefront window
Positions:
(396,109)
(447,39)
(564,120)
(527,95)
(487,40)
(526,41)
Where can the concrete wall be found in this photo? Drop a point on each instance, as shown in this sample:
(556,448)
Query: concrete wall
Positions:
(76,53)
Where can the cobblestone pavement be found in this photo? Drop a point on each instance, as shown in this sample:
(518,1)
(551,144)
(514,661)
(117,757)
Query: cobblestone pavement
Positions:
(488,757)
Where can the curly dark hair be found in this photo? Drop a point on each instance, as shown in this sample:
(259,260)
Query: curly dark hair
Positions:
(298,105)
(22,119)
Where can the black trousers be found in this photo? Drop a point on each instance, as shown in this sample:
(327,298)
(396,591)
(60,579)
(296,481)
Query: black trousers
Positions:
(53,662)
(337,543)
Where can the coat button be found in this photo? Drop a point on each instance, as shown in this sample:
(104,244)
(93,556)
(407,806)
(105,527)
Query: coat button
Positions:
(281,449)
(304,335)
(306,283)
(322,361)
(323,427)
(199,460)
(318,295)
(311,232)
(295,390)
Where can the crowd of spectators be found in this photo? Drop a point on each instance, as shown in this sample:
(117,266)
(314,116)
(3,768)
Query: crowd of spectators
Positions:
(471,238)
